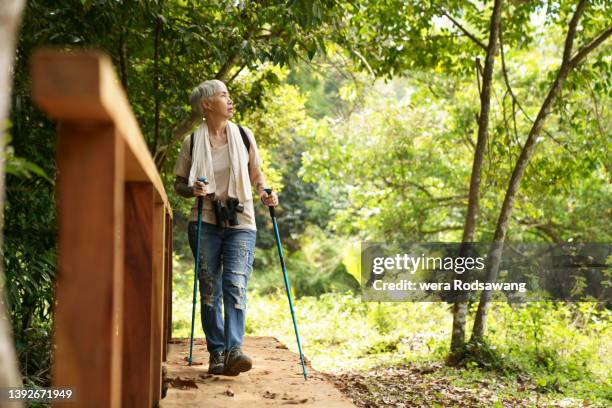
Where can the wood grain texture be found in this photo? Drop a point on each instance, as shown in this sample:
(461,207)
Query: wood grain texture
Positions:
(138,287)
(100,149)
(89,291)
(167,324)
(159,225)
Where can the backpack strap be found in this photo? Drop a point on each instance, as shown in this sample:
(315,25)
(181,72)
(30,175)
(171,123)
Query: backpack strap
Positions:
(245,140)
(191,146)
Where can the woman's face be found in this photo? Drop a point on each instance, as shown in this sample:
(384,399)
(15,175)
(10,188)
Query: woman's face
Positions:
(220,105)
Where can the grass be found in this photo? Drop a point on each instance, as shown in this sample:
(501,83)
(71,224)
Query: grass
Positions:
(544,352)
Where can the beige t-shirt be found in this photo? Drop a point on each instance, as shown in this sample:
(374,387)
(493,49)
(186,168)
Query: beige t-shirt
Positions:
(221,167)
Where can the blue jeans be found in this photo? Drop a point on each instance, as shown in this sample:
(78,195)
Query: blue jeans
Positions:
(226,264)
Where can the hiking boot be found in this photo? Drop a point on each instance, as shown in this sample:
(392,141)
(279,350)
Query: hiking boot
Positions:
(236,362)
(215,363)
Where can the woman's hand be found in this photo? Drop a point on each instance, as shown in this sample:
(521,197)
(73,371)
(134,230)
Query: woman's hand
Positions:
(198,188)
(269,200)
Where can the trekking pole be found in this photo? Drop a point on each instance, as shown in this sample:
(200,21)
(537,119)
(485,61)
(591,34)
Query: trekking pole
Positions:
(197,268)
(282,262)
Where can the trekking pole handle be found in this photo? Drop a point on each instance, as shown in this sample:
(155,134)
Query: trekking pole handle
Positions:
(268,190)
(200,200)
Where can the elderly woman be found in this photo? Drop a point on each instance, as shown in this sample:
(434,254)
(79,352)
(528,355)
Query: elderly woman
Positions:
(226,154)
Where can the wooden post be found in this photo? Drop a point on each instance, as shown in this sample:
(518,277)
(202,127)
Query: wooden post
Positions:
(89,293)
(159,225)
(138,264)
(170,269)
(167,287)
(100,148)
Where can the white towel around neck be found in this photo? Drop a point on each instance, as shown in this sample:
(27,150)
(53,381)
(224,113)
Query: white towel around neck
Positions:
(202,164)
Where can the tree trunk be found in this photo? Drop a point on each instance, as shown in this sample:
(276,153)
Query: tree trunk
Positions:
(460,306)
(501,229)
(10,16)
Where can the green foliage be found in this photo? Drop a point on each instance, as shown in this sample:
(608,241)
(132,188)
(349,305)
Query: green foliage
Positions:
(352,159)
(18,166)
(321,82)
(402,171)
(161,50)
(182,297)
(391,38)
(406,158)
(340,333)
(316,268)
(487,357)
(29,250)
(34,352)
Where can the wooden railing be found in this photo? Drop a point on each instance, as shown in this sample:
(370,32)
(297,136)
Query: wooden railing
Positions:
(112,317)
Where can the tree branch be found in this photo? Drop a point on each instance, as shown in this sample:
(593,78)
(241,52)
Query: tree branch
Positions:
(571,31)
(229,81)
(463,29)
(228,65)
(546,228)
(180,130)
(478,73)
(364,61)
(585,50)
(596,109)
(234,58)
(516,102)
(442,229)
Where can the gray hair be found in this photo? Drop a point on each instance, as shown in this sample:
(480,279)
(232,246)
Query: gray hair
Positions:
(206,90)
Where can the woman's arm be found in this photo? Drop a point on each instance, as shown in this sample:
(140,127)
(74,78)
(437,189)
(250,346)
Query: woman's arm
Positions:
(181,187)
(256,175)
(258,180)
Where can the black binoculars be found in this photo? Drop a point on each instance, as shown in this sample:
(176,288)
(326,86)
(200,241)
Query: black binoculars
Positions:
(227,211)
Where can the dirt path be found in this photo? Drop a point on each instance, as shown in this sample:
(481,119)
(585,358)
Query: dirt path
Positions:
(275,379)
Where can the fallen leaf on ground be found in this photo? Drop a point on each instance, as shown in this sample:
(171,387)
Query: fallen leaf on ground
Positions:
(295,402)
(269,395)
(183,383)
(412,385)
